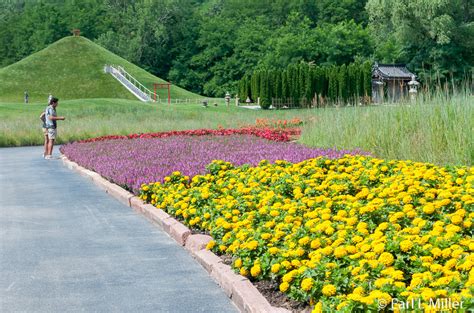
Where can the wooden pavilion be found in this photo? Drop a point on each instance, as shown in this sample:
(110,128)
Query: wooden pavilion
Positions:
(390,82)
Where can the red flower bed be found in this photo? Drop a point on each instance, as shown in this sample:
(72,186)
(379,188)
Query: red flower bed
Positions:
(286,134)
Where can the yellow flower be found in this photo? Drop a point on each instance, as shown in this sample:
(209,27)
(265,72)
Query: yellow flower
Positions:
(252,245)
(287,278)
(295,263)
(210,245)
(379,248)
(318,308)
(428,208)
(399,284)
(436,252)
(358,291)
(329,290)
(286,264)
(428,294)
(406,245)
(238,263)
(456,219)
(342,305)
(386,259)
(304,241)
(306,284)
(273,250)
(340,252)
(255,270)
(284,286)
(275,268)
(315,244)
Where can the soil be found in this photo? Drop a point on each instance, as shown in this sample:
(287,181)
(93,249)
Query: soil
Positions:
(269,289)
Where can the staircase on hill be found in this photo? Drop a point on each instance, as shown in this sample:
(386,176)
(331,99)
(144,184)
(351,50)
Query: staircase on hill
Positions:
(129,82)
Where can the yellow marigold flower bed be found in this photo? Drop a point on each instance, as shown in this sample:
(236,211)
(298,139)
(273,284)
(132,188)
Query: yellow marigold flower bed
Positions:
(340,233)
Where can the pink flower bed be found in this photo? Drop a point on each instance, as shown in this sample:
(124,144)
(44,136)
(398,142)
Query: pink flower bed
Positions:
(131,162)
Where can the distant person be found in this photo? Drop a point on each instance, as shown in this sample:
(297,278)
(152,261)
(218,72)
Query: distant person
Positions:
(51,126)
(26,96)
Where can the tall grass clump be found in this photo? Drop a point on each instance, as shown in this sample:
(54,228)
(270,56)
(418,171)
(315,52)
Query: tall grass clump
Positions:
(437,128)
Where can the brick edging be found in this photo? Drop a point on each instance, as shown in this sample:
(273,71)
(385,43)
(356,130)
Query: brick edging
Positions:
(238,288)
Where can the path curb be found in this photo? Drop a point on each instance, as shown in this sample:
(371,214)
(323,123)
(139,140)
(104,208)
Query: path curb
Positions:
(238,288)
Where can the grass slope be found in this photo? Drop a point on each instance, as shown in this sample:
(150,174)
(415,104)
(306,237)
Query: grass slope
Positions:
(72,68)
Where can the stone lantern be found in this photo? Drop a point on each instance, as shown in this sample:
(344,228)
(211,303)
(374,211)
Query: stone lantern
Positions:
(227,98)
(413,88)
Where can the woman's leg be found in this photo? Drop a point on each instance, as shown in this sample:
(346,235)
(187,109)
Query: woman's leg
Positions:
(45,135)
(50,147)
(51,138)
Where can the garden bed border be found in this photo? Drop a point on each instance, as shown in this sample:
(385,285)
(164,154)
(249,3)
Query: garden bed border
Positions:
(238,288)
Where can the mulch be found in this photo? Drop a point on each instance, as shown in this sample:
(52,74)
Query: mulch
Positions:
(269,289)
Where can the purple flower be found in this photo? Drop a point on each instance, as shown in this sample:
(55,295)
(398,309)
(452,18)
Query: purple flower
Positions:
(131,162)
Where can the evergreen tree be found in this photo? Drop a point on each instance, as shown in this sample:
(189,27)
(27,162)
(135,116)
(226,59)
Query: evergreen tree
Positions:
(248,89)
(332,83)
(277,84)
(265,100)
(309,91)
(243,92)
(342,83)
(367,77)
(284,86)
(255,86)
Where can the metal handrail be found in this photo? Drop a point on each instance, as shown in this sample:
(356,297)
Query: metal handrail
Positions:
(135,81)
(119,70)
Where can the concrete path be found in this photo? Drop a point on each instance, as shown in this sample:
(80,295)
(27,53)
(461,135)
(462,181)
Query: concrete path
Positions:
(66,246)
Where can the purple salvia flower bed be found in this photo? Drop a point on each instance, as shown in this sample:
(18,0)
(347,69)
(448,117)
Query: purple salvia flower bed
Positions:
(132,162)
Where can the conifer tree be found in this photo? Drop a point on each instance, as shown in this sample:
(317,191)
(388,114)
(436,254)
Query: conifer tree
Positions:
(308,92)
(277,81)
(333,87)
(265,100)
(367,76)
(341,83)
(284,86)
(255,85)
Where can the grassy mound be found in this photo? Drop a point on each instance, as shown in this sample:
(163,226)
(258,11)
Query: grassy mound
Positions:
(72,68)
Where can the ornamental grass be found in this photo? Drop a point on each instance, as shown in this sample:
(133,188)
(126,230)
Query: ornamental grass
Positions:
(342,234)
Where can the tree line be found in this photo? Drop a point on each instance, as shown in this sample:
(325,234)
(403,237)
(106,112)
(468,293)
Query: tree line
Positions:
(305,85)
(207,46)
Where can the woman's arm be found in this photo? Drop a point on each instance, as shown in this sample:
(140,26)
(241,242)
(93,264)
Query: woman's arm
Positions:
(57,118)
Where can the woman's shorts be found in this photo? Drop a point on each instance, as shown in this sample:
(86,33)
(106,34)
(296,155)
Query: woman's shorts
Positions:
(45,131)
(52,133)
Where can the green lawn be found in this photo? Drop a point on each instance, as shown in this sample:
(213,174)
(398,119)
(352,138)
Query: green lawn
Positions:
(88,118)
(438,131)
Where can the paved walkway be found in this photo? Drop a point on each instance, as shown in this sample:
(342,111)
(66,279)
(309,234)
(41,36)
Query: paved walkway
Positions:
(66,246)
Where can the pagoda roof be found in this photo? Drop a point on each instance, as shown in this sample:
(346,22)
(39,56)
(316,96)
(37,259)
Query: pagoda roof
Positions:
(391,71)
